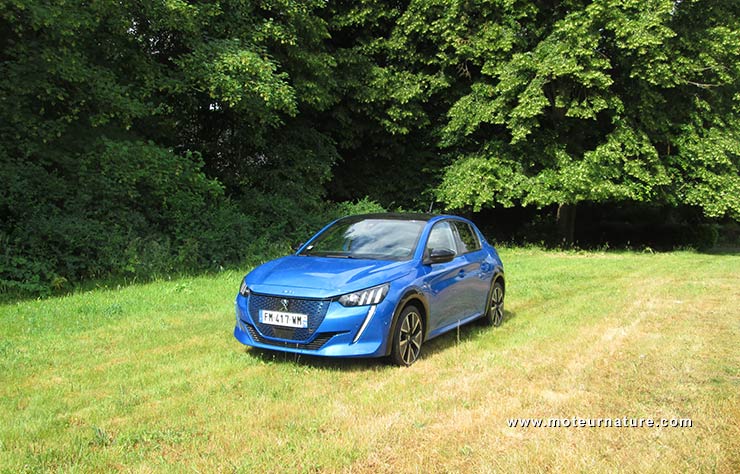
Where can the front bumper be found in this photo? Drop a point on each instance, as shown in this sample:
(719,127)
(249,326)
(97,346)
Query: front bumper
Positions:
(360,331)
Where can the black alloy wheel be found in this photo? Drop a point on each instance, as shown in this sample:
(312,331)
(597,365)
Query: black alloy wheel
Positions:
(495,314)
(408,336)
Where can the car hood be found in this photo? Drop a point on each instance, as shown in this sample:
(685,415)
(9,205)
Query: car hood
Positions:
(323,277)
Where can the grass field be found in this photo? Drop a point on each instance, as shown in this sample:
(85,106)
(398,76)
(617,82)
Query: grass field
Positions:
(149,378)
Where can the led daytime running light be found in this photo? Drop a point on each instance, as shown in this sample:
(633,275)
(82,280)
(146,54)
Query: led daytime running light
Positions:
(365,297)
(244,289)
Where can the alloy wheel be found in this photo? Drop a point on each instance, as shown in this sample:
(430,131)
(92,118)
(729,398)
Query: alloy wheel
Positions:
(497,305)
(410,337)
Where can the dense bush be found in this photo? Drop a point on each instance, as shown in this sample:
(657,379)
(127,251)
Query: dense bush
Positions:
(123,207)
(292,225)
(125,125)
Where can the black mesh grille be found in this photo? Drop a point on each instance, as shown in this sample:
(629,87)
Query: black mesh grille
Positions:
(321,339)
(315,309)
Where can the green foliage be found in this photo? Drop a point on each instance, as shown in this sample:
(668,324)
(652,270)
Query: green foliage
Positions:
(595,102)
(123,207)
(479,179)
(142,138)
(124,125)
(384,123)
(240,78)
(540,103)
(282,187)
(708,162)
(361,206)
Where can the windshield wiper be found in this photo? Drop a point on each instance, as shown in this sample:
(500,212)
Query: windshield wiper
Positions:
(328,254)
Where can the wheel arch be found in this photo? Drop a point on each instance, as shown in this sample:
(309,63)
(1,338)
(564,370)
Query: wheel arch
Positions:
(499,277)
(412,295)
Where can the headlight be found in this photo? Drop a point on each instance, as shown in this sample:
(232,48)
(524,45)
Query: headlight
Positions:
(244,289)
(372,295)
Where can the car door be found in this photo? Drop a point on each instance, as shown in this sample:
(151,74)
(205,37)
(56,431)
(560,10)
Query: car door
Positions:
(442,279)
(475,283)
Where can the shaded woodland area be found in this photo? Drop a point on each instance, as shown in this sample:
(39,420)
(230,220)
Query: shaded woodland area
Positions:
(139,138)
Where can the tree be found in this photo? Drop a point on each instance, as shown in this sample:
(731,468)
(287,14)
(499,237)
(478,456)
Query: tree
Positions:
(590,101)
(134,101)
(384,121)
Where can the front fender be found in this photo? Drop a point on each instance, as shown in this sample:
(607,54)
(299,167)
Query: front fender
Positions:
(411,294)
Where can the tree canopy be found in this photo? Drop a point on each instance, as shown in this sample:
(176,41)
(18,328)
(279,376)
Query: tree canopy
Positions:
(151,136)
(609,100)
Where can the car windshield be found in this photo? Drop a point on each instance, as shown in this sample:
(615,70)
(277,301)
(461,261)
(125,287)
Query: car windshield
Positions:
(369,238)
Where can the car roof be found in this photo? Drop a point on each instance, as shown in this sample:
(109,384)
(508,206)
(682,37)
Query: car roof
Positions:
(404,216)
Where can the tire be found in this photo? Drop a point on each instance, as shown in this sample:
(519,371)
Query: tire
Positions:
(408,335)
(495,311)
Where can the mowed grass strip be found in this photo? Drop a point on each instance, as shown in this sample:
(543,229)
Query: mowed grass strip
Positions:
(149,378)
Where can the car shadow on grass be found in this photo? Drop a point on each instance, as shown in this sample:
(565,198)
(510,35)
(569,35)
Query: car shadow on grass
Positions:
(344,364)
(467,332)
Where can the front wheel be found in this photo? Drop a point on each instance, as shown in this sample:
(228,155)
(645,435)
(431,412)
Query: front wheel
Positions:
(407,336)
(495,312)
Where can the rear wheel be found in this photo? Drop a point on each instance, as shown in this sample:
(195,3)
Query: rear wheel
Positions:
(495,313)
(407,336)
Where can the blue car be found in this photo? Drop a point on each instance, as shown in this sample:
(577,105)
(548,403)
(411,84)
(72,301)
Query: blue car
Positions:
(373,285)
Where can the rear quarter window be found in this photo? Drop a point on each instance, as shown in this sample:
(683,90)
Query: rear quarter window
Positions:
(468,238)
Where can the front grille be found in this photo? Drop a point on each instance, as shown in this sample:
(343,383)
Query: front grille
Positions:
(316,344)
(315,309)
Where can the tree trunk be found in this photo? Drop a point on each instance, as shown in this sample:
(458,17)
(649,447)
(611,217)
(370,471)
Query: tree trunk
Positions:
(566,221)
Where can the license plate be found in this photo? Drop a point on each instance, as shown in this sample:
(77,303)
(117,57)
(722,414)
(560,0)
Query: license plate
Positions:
(280,318)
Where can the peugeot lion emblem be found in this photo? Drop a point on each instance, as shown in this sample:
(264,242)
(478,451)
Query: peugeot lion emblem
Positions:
(284,304)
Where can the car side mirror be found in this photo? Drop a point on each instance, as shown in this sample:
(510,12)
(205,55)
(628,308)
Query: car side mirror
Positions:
(440,256)
(295,247)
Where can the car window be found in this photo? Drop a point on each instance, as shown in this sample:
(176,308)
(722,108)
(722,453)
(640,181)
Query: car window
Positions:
(441,237)
(369,238)
(468,238)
